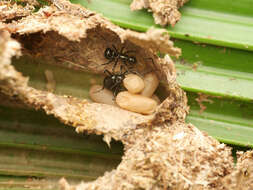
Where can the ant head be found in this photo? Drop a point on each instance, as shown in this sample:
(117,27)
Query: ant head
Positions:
(132,60)
(109,54)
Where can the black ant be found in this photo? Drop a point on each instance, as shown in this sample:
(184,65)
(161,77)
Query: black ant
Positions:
(115,55)
(114,81)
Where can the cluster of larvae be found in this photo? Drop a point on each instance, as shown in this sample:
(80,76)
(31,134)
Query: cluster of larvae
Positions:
(138,95)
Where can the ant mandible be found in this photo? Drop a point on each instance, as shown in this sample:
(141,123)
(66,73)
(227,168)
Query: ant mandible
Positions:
(115,55)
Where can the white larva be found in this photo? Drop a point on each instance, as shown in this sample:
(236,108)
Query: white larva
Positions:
(133,83)
(151,83)
(101,96)
(136,103)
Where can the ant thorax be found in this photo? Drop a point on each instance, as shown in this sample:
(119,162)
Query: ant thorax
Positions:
(114,56)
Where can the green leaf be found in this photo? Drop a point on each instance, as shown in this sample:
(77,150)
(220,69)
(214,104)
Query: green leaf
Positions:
(216,22)
(219,71)
(227,120)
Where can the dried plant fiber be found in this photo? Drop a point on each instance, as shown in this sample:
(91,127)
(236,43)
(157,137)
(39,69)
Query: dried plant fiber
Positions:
(161,151)
(165,12)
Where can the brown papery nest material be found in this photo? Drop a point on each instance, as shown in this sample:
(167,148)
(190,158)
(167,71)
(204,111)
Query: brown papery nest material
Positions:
(161,150)
(165,12)
(10,10)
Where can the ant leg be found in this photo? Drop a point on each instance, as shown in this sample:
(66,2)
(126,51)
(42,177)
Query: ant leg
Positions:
(115,64)
(107,72)
(125,65)
(137,73)
(129,52)
(125,72)
(116,91)
(121,70)
(104,64)
(114,86)
(129,70)
(103,87)
(121,51)
(115,49)
(108,62)
(149,58)
(153,65)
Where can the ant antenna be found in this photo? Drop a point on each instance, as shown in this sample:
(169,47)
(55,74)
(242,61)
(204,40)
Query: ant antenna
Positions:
(107,72)
(149,58)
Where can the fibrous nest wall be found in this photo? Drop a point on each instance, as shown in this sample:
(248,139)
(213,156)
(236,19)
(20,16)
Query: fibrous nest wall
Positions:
(165,12)
(161,150)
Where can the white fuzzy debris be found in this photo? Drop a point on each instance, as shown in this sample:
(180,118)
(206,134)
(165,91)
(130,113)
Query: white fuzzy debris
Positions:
(107,139)
(179,136)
